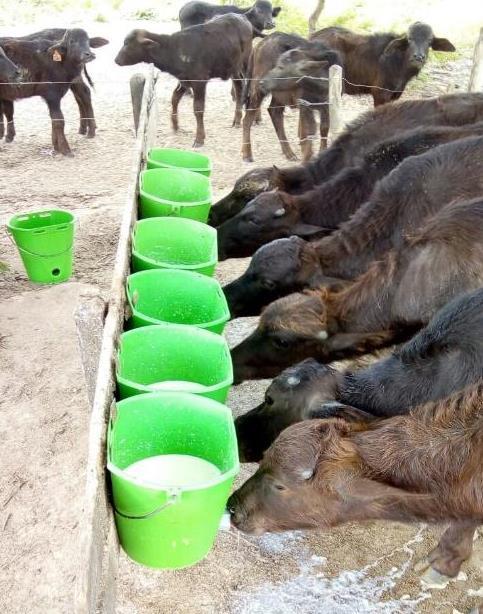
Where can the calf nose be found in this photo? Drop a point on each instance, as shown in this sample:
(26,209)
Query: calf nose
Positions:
(269,25)
(419,57)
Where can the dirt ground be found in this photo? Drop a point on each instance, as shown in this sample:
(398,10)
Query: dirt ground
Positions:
(351,570)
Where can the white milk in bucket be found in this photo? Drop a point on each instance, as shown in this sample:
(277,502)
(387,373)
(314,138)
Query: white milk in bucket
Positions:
(171,470)
(177,386)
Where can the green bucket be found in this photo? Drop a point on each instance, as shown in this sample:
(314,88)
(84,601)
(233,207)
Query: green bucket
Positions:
(174,353)
(161,157)
(174,243)
(45,242)
(174,192)
(177,297)
(170,527)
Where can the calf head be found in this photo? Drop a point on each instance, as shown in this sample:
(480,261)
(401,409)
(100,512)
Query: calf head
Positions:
(313,477)
(290,329)
(295,395)
(299,483)
(416,44)
(261,15)
(293,71)
(136,48)
(74,47)
(246,187)
(276,269)
(8,70)
(269,216)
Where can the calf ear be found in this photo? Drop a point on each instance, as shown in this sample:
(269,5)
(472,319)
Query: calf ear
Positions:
(398,44)
(97,41)
(276,10)
(442,44)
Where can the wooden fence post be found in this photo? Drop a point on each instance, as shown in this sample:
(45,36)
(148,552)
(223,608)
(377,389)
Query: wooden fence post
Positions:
(476,77)
(335,102)
(136,83)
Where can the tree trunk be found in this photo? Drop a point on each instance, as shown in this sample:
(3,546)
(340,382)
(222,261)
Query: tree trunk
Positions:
(314,18)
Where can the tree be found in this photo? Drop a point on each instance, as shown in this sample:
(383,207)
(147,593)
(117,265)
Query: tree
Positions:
(314,18)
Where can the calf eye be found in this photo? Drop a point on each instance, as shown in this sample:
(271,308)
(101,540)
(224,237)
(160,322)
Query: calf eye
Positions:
(281,343)
(268,400)
(279,486)
(268,284)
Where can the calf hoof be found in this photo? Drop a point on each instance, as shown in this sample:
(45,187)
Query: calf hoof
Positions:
(292,157)
(236,124)
(198,144)
(82,130)
(9,138)
(435,580)
(91,134)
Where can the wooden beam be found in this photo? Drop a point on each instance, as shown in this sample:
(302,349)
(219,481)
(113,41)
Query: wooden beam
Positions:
(136,84)
(98,548)
(476,77)
(335,103)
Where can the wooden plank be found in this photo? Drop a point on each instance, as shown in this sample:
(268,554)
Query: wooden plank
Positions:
(335,103)
(98,549)
(476,77)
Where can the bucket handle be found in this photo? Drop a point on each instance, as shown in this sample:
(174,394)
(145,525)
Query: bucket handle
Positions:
(174,495)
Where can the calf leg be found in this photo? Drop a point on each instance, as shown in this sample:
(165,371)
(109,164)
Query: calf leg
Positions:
(59,141)
(238,89)
(324,126)
(2,125)
(199,95)
(82,94)
(253,108)
(454,547)
(306,132)
(8,111)
(178,93)
(275,111)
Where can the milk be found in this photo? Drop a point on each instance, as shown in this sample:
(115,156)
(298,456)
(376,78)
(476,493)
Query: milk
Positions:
(177,386)
(171,470)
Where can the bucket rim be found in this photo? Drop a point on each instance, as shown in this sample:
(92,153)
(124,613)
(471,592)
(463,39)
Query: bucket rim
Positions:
(187,328)
(170,172)
(188,396)
(214,283)
(178,266)
(195,154)
(180,221)
(30,214)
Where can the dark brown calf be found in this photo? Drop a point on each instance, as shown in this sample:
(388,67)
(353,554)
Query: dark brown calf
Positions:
(260,14)
(382,64)
(263,59)
(48,68)
(276,214)
(217,49)
(425,466)
(419,186)
(444,357)
(385,305)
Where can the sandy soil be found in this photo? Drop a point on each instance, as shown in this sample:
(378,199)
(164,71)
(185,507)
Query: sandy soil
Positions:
(45,412)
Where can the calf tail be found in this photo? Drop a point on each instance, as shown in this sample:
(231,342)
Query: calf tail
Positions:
(89,80)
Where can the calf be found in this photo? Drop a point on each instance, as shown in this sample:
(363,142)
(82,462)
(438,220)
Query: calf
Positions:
(377,125)
(260,15)
(48,70)
(262,60)
(425,466)
(419,186)
(360,138)
(382,64)
(217,49)
(9,72)
(80,90)
(394,298)
(276,214)
(444,357)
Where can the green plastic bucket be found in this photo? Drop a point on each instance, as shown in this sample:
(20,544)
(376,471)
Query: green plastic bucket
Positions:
(174,353)
(161,157)
(177,297)
(174,243)
(45,242)
(174,192)
(171,527)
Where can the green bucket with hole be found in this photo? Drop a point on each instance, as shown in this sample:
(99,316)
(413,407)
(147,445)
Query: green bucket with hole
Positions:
(45,241)
(164,157)
(177,297)
(174,192)
(171,527)
(174,243)
(174,357)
